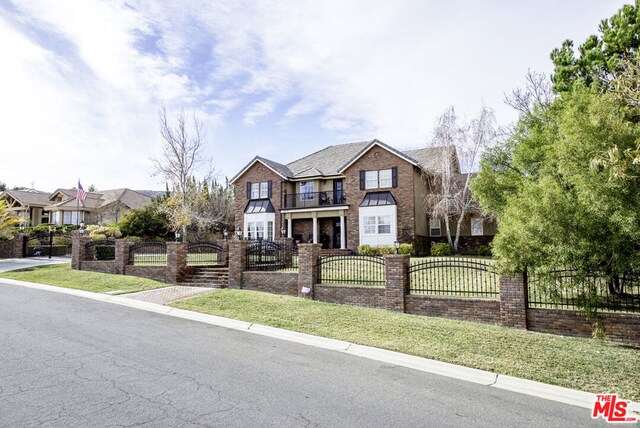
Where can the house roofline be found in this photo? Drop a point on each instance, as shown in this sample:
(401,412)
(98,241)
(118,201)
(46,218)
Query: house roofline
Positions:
(382,145)
(249,165)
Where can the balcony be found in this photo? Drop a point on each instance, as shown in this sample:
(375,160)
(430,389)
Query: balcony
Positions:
(314,199)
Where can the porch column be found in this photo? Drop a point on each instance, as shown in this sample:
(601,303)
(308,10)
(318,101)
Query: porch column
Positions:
(289,228)
(343,238)
(315,229)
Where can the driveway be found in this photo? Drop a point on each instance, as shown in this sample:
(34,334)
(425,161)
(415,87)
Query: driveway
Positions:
(69,361)
(13,264)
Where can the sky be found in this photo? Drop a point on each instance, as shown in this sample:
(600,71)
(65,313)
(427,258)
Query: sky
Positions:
(82,82)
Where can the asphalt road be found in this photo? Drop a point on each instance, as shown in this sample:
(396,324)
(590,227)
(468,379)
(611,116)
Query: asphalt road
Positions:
(67,361)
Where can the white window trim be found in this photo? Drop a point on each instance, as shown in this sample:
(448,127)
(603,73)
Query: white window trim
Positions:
(378,212)
(435,223)
(253,221)
(370,177)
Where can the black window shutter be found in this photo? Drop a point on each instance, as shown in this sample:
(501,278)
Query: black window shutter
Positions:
(269,188)
(361,179)
(394,177)
(248,190)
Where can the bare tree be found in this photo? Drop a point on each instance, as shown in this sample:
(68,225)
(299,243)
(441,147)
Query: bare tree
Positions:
(460,145)
(182,156)
(537,91)
(212,208)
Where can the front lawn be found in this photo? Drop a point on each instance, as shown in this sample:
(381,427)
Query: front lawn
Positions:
(584,364)
(62,275)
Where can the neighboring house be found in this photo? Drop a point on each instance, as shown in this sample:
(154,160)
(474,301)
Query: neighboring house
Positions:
(343,196)
(61,207)
(28,205)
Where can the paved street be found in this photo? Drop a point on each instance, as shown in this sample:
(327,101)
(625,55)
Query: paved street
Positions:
(11,264)
(69,361)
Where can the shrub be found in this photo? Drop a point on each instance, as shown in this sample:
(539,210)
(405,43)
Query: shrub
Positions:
(135,239)
(379,250)
(365,250)
(484,250)
(98,236)
(441,249)
(405,249)
(61,240)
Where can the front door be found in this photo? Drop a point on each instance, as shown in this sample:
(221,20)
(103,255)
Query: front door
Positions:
(336,233)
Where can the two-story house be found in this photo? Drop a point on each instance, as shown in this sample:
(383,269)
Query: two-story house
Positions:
(342,196)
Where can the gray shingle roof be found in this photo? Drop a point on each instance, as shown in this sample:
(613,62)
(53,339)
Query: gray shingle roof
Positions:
(331,160)
(28,197)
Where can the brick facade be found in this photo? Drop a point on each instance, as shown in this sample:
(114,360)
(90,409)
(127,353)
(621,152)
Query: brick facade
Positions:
(375,159)
(159,273)
(258,173)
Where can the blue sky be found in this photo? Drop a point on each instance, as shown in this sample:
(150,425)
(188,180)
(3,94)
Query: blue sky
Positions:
(82,81)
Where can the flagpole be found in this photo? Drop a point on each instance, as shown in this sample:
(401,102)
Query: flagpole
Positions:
(78,203)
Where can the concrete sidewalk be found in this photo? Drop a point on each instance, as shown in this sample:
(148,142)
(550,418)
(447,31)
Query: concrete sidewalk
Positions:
(169,294)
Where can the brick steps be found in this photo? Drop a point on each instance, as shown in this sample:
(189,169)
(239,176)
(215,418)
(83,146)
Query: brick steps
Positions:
(207,276)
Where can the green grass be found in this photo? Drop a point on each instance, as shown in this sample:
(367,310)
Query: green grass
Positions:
(62,275)
(584,364)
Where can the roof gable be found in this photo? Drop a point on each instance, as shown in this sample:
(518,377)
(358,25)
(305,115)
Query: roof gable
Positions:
(276,167)
(377,143)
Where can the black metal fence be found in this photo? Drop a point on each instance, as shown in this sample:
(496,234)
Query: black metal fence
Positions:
(265,255)
(454,276)
(47,244)
(104,250)
(566,289)
(351,270)
(314,199)
(205,254)
(148,254)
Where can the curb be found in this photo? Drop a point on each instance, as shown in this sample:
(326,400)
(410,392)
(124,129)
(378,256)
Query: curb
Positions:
(482,377)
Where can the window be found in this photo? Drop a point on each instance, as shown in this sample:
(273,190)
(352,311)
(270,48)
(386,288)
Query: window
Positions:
(306,190)
(434,227)
(385,178)
(255,190)
(380,225)
(477,227)
(256,224)
(384,225)
(55,217)
(259,190)
(70,217)
(264,189)
(377,179)
(370,225)
(270,230)
(371,180)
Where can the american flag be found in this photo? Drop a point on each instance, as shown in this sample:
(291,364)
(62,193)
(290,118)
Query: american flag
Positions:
(82,195)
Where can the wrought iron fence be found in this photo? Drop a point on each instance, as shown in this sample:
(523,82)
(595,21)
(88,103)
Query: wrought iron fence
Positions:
(263,255)
(47,244)
(103,250)
(204,254)
(148,254)
(351,270)
(566,289)
(454,276)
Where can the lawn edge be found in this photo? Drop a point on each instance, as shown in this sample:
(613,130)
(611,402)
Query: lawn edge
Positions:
(523,386)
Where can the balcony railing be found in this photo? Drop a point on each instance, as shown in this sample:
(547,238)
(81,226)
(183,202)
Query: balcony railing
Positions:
(314,199)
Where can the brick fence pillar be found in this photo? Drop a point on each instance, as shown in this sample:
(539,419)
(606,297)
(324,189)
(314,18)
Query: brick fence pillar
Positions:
(224,254)
(19,244)
(513,301)
(308,255)
(78,246)
(397,281)
(176,262)
(237,262)
(122,255)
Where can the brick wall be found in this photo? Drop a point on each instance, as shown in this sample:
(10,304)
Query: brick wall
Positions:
(12,248)
(624,328)
(153,272)
(467,245)
(256,174)
(102,266)
(377,159)
(271,282)
(457,308)
(366,296)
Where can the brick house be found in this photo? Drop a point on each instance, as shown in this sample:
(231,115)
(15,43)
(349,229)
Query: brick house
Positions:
(344,196)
